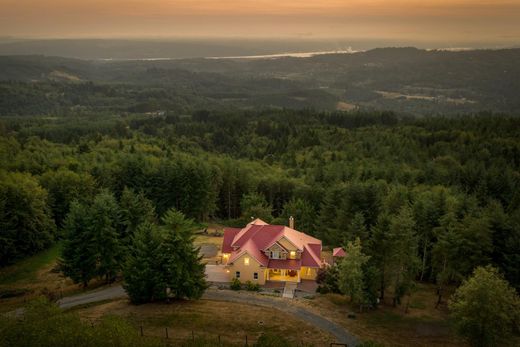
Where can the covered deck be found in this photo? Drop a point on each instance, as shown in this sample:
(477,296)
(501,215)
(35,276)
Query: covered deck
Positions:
(286,270)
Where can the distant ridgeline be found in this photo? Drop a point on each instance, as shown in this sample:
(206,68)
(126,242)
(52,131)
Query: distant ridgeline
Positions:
(404,80)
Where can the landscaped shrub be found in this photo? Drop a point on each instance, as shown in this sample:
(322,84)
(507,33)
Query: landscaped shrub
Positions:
(252,287)
(327,278)
(235,284)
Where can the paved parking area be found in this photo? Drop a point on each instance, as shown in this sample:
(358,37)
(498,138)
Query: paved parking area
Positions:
(216,273)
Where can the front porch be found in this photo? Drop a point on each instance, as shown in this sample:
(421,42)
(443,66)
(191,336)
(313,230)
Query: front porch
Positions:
(283,275)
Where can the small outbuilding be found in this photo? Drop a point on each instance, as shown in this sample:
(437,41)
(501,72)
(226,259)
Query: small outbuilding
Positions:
(338,252)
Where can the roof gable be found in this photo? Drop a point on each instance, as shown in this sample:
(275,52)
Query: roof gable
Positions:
(258,236)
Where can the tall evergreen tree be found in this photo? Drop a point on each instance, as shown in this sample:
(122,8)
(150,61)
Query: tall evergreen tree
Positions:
(403,253)
(380,251)
(142,271)
(105,220)
(78,259)
(356,229)
(182,272)
(254,205)
(303,213)
(26,224)
(351,276)
(135,209)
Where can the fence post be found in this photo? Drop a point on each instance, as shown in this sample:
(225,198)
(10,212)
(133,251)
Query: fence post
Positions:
(142,331)
(167,333)
(219,339)
(192,335)
(246,341)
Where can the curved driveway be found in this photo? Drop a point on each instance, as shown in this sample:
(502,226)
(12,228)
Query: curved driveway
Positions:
(342,335)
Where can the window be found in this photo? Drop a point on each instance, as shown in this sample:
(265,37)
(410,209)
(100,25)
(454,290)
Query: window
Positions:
(246,261)
(255,275)
(275,255)
(293,254)
(237,274)
(308,271)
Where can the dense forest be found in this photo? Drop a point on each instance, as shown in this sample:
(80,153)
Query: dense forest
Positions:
(449,186)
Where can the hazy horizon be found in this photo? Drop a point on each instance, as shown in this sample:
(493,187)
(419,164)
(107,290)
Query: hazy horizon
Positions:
(443,21)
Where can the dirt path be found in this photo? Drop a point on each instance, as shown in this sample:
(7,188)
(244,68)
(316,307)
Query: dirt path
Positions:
(284,305)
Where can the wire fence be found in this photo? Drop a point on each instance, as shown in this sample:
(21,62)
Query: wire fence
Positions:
(183,337)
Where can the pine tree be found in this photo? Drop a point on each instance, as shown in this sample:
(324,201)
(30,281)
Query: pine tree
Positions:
(254,205)
(356,229)
(351,276)
(403,253)
(182,271)
(303,213)
(104,226)
(444,253)
(141,271)
(379,250)
(135,210)
(78,258)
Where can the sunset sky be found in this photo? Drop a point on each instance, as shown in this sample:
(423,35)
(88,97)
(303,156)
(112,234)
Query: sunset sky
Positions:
(464,20)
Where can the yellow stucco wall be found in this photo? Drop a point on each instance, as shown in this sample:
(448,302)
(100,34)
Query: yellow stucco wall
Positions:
(247,271)
(308,273)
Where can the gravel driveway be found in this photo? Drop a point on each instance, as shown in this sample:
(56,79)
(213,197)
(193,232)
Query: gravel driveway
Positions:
(342,335)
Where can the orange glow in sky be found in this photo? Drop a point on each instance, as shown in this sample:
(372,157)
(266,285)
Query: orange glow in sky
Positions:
(429,19)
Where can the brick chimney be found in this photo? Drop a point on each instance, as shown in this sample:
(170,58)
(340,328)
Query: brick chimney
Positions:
(291,222)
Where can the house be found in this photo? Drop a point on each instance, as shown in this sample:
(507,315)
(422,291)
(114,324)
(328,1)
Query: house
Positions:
(338,252)
(261,252)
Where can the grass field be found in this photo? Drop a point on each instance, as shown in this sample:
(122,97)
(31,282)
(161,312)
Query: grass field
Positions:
(27,270)
(209,319)
(422,325)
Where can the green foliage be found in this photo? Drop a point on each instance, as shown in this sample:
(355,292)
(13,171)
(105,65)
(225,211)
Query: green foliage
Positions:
(350,272)
(104,224)
(303,213)
(163,262)
(26,224)
(485,309)
(341,175)
(403,260)
(78,259)
(92,245)
(183,273)
(327,279)
(65,186)
(135,209)
(253,205)
(235,284)
(141,271)
(46,325)
(252,287)
(26,270)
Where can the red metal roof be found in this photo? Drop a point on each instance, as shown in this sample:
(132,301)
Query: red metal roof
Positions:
(257,236)
(338,252)
(229,235)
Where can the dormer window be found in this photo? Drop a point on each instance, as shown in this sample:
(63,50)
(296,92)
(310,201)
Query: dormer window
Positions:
(293,255)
